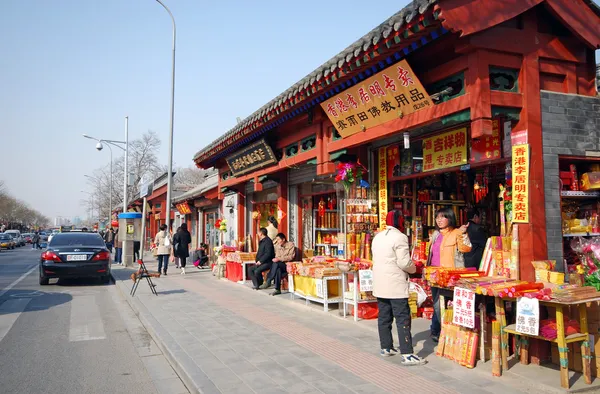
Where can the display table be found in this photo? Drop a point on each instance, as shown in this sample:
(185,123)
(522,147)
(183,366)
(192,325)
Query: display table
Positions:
(234,271)
(562,341)
(324,290)
(355,301)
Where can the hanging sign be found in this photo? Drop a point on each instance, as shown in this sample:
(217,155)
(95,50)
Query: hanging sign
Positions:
(520,180)
(365,278)
(445,150)
(251,158)
(464,307)
(528,316)
(383,195)
(393,160)
(387,95)
(183,208)
(488,147)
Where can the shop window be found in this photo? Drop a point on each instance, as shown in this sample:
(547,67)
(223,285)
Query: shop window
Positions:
(291,150)
(335,135)
(157,205)
(308,143)
(504,79)
(447,88)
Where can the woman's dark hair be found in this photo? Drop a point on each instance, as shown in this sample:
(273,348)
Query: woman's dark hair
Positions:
(163,227)
(273,221)
(282,237)
(203,246)
(447,213)
(183,227)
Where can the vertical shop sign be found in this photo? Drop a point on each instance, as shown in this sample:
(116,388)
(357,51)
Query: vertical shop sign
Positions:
(383,195)
(365,278)
(387,95)
(528,316)
(393,160)
(445,150)
(520,179)
(488,147)
(464,308)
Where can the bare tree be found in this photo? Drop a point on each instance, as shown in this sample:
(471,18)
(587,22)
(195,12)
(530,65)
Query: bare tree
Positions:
(18,213)
(187,178)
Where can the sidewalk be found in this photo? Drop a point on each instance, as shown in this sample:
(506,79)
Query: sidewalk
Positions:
(222,337)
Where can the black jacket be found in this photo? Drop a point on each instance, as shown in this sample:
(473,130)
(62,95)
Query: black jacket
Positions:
(181,241)
(266,251)
(478,238)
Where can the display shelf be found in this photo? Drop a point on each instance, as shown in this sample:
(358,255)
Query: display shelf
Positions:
(580,194)
(581,235)
(327,229)
(325,300)
(511,329)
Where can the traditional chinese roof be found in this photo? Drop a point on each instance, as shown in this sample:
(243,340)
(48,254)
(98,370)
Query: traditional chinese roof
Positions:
(210,182)
(396,32)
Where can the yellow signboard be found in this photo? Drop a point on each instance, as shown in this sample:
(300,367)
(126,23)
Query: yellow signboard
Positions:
(445,150)
(383,197)
(387,95)
(520,183)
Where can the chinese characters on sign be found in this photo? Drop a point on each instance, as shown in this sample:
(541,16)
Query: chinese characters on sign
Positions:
(520,179)
(445,150)
(488,147)
(365,278)
(383,195)
(183,208)
(528,316)
(464,308)
(251,158)
(376,100)
(393,160)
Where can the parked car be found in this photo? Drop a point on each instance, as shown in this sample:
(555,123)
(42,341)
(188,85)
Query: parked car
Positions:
(52,234)
(6,241)
(27,237)
(75,255)
(16,234)
(43,236)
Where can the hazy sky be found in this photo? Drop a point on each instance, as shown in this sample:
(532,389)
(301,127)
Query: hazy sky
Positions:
(80,66)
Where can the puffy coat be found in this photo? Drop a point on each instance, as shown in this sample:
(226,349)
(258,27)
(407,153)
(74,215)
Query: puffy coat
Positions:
(159,240)
(391,264)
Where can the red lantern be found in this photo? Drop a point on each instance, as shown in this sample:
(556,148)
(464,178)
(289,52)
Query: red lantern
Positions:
(114,223)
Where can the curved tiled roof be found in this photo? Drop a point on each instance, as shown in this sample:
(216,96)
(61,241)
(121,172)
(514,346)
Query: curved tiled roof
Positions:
(308,86)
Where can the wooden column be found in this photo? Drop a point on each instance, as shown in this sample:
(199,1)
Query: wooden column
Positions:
(282,199)
(478,88)
(241,216)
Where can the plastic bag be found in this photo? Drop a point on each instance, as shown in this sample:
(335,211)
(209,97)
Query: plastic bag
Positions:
(366,311)
(421,295)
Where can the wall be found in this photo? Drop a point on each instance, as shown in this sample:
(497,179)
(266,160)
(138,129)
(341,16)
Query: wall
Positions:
(571,126)
(230,237)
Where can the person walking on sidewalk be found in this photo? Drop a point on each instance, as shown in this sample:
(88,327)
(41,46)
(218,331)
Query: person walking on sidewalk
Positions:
(163,245)
(285,251)
(109,239)
(181,246)
(264,258)
(391,266)
(35,240)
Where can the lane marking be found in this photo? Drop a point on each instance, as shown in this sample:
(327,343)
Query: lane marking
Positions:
(17,281)
(86,321)
(9,313)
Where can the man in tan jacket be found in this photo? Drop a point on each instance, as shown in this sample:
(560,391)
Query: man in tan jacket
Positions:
(391,268)
(284,252)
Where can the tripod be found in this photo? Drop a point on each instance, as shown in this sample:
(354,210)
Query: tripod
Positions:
(142,273)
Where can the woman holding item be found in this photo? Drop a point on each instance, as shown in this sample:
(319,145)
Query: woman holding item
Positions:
(162,240)
(447,245)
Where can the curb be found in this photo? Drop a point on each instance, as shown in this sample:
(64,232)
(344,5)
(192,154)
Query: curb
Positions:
(178,358)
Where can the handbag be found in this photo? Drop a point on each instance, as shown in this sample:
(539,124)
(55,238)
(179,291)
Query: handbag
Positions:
(196,263)
(167,240)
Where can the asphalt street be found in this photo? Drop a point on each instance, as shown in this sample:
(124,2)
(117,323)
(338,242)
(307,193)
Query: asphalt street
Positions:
(77,336)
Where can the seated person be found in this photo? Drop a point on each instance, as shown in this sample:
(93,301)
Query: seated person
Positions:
(200,256)
(284,252)
(264,258)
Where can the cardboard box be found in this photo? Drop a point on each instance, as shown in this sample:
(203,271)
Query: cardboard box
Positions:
(590,181)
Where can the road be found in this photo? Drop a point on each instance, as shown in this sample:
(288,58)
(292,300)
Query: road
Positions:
(76,336)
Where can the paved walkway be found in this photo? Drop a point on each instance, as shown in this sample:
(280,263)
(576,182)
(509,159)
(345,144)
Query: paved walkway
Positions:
(223,337)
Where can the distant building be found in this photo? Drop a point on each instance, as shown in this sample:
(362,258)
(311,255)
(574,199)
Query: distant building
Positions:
(61,221)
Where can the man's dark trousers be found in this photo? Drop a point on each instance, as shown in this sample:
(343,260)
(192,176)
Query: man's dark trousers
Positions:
(256,273)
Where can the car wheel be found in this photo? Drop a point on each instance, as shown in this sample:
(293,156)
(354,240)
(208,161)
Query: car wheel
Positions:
(105,279)
(44,281)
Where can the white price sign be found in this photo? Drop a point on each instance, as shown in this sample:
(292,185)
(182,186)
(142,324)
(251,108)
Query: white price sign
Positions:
(365,278)
(528,316)
(464,307)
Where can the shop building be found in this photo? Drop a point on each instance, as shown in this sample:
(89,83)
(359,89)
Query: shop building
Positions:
(448,89)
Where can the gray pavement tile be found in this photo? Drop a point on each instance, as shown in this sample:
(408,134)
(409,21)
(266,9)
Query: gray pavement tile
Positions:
(330,386)
(227,381)
(158,367)
(371,389)
(216,345)
(170,386)
(300,387)
(301,352)
(256,357)
(227,356)
(434,376)
(307,373)
(257,380)
(278,373)
(241,367)
(286,360)
(343,376)
(464,387)
(242,389)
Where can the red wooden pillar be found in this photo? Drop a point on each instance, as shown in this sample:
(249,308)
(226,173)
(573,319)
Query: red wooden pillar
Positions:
(282,199)
(241,217)
(478,88)
(532,236)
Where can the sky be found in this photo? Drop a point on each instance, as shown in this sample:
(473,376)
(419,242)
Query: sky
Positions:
(71,67)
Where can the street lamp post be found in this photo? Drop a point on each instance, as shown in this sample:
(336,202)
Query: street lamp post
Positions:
(170,165)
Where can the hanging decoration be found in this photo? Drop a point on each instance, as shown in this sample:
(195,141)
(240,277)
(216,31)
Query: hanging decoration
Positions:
(350,173)
(221,225)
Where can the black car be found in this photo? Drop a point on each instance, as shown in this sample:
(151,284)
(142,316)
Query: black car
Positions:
(75,255)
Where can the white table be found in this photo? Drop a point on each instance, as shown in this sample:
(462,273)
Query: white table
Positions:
(355,301)
(322,292)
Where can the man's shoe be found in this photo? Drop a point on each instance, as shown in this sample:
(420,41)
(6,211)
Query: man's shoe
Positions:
(265,285)
(410,360)
(165,273)
(388,352)
(276,292)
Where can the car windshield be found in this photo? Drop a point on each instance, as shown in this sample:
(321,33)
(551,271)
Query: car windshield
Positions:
(77,239)
(5,237)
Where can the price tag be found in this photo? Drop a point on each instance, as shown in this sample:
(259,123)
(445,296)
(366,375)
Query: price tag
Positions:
(365,278)
(528,316)
(464,307)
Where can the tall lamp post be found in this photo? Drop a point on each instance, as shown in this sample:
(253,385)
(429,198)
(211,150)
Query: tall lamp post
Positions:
(170,165)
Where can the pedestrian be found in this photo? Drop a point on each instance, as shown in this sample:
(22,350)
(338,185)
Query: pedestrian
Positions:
(136,250)
(200,256)
(118,249)
(478,238)
(264,258)
(446,248)
(391,268)
(35,240)
(163,246)
(181,246)
(109,239)
(272,227)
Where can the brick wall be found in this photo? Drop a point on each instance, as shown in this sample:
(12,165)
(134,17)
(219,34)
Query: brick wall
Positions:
(571,126)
